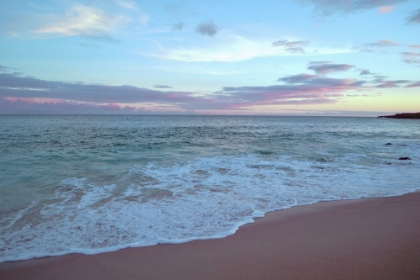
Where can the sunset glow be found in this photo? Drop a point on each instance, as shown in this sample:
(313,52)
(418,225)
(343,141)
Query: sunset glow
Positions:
(351,58)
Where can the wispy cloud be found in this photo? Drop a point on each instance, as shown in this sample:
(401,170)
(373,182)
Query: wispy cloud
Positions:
(297,79)
(367,50)
(162,86)
(28,87)
(127,4)
(301,89)
(34,91)
(80,20)
(17,90)
(3,68)
(30,106)
(414,17)
(310,91)
(322,67)
(288,44)
(392,84)
(329,7)
(365,72)
(178,26)
(180,9)
(407,57)
(291,46)
(228,47)
(379,79)
(416,84)
(383,43)
(411,57)
(207,28)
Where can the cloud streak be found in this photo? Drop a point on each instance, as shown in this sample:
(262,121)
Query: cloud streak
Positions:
(127,4)
(414,17)
(291,46)
(162,86)
(27,87)
(3,68)
(411,57)
(329,7)
(323,67)
(297,79)
(80,20)
(310,91)
(383,43)
(18,91)
(228,47)
(25,106)
(417,84)
(392,84)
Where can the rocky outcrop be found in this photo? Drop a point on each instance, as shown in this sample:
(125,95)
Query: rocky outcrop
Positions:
(403,116)
(404,158)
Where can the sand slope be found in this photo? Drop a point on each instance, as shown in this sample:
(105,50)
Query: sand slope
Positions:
(362,239)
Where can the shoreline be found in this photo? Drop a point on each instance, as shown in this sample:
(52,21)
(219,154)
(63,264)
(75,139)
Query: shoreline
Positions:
(369,238)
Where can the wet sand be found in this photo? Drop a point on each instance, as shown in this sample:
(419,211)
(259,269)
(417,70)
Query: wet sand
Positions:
(375,238)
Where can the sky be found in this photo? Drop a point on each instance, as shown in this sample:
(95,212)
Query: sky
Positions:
(283,57)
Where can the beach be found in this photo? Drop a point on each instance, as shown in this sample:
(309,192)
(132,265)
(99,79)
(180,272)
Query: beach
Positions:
(375,238)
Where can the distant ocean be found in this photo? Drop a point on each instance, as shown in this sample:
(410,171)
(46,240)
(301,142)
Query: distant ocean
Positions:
(90,184)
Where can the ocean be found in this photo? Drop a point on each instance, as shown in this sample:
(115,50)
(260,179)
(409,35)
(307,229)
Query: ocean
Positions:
(91,184)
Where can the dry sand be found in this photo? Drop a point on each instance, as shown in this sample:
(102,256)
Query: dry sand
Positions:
(361,239)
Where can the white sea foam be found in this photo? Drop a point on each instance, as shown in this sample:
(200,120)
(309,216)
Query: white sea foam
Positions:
(203,198)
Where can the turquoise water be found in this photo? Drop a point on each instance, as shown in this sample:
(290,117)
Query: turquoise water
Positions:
(92,184)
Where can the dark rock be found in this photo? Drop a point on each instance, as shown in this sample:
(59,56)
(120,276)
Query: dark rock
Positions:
(388,144)
(404,158)
(403,116)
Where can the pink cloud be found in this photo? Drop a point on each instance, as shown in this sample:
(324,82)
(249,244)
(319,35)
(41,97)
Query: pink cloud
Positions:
(411,57)
(114,106)
(329,7)
(317,90)
(383,43)
(20,94)
(34,100)
(385,9)
(417,84)
(18,105)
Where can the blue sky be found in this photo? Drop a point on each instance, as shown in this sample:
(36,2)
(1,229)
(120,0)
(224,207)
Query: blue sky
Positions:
(319,57)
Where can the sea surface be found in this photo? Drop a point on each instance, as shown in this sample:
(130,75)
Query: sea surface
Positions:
(90,184)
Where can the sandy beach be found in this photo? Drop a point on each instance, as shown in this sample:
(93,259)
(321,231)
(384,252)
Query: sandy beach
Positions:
(375,238)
